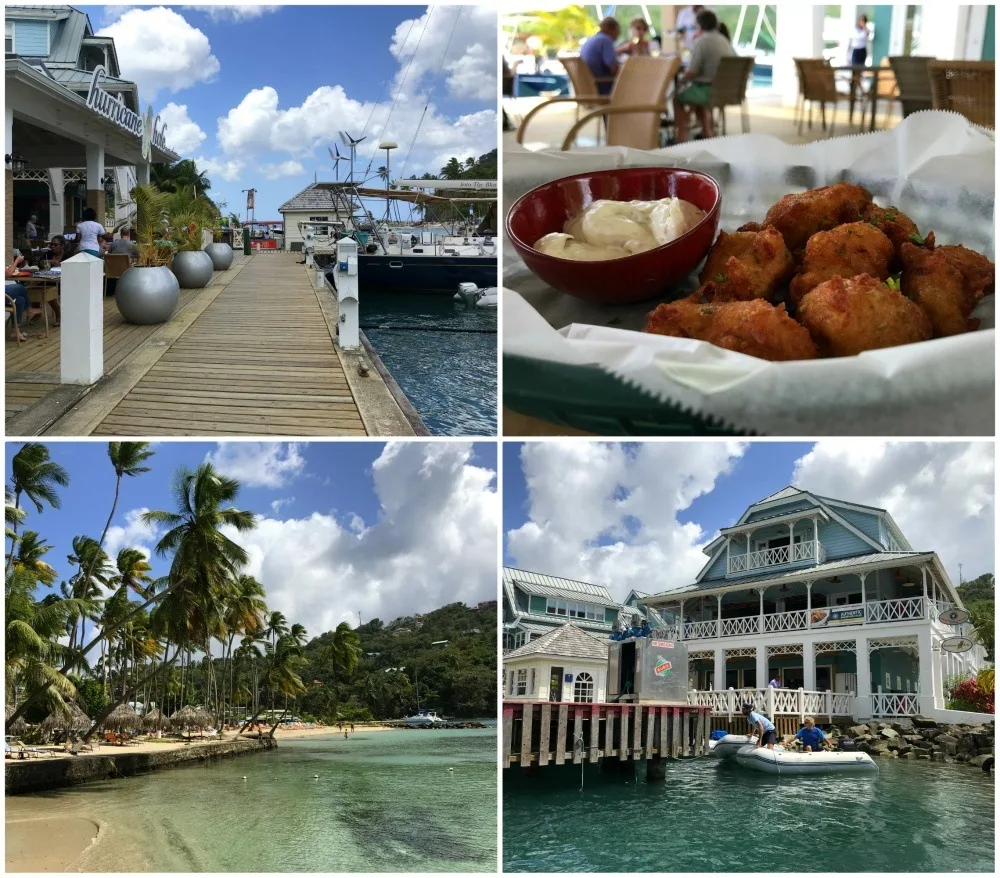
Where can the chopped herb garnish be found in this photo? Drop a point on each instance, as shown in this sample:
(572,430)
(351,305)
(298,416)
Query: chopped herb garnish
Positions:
(721,278)
(892,214)
(893,283)
(707,310)
(916,239)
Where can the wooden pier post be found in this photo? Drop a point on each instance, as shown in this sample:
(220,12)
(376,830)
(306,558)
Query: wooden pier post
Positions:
(663,731)
(577,735)
(637,733)
(650,725)
(561,734)
(685,733)
(508,731)
(675,741)
(526,715)
(595,731)
(543,733)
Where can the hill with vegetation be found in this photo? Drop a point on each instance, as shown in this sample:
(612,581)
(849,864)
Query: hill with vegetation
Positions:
(979,597)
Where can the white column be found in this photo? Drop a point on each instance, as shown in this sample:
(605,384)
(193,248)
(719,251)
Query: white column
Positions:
(95,166)
(760,618)
(729,542)
(808,667)
(8,130)
(683,632)
(142,173)
(718,617)
(975,32)
(942,32)
(863,702)
(57,208)
(815,542)
(923,579)
(809,604)
(81,331)
(720,669)
(925,697)
(799,32)
(864,598)
(897,30)
(761,657)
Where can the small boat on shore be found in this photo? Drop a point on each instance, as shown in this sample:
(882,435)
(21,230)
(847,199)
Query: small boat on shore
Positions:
(786,762)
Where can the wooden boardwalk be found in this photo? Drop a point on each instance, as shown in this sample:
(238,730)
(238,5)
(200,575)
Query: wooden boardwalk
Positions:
(251,354)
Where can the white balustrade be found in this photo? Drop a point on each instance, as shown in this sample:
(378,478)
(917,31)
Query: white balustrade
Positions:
(894,610)
(806,551)
(894,705)
(740,625)
(695,630)
(842,703)
(795,620)
(813,702)
(785,702)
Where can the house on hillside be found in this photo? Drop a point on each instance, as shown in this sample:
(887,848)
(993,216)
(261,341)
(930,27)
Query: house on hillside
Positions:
(567,663)
(824,595)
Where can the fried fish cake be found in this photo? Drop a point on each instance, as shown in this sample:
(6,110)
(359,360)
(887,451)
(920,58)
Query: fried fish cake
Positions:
(978,273)
(755,327)
(848,316)
(848,250)
(799,216)
(896,226)
(748,265)
(933,280)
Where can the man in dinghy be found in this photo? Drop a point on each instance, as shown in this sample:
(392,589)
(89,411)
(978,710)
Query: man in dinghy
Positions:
(812,737)
(766,734)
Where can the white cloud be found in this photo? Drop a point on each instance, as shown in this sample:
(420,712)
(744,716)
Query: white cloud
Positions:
(434,541)
(281,501)
(135,534)
(940,494)
(183,134)
(234,13)
(258,464)
(227,169)
(158,49)
(609,513)
(285,169)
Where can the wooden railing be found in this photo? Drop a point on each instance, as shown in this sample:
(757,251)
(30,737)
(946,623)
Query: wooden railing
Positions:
(895,705)
(776,702)
(894,611)
(808,551)
(791,621)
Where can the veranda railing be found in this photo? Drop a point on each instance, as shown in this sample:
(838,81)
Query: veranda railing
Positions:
(776,702)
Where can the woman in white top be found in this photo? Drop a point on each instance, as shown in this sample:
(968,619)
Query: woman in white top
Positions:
(90,232)
(858,43)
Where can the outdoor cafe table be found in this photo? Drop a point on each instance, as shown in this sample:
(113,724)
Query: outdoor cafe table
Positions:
(44,290)
(857,71)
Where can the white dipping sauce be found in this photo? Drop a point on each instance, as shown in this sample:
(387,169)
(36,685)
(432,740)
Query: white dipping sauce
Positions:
(613,229)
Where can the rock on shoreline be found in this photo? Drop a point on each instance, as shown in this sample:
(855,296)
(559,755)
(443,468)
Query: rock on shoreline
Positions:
(920,737)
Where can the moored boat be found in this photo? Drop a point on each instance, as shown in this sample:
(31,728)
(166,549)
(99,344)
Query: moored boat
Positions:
(729,746)
(786,762)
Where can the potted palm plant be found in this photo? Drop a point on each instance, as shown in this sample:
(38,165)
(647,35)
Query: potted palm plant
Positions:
(190,215)
(148,292)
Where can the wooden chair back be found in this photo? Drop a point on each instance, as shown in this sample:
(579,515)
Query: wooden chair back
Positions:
(887,86)
(116,264)
(966,87)
(817,79)
(913,81)
(730,84)
(641,82)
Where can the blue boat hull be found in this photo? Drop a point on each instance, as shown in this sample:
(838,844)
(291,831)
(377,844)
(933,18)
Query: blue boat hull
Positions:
(435,275)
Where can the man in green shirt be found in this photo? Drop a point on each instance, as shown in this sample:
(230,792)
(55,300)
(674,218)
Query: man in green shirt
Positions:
(696,82)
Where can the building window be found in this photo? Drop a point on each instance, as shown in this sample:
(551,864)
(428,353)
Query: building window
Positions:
(583,688)
(574,610)
(521,682)
(8,37)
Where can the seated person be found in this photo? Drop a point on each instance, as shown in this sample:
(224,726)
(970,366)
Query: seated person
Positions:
(57,251)
(600,55)
(811,737)
(18,294)
(709,48)
(638,43)
(123,244)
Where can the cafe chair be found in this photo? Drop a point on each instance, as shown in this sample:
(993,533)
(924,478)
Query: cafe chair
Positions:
(819,84)
(633,110)
(913,81)
(965,87)
(115,265)
(11,308)
(729,88)
(584,95)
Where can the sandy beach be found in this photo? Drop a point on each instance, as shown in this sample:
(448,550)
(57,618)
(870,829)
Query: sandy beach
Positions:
(49,844)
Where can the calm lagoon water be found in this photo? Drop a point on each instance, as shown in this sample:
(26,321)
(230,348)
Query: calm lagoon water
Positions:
(384,802)
(707,817)
(442,354)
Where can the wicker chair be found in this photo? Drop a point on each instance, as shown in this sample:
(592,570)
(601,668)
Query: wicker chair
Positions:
(729,88)
(115,265)
(818,83)
(966,87)
(584,92)
(913,82)
(11,308)
(633,110)
(886,89)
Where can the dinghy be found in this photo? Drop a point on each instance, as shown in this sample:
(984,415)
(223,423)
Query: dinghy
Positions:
(729,746)
(785,762)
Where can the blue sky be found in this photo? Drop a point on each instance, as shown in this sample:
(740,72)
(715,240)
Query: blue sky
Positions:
(344,528)
(256,94)
(637,515)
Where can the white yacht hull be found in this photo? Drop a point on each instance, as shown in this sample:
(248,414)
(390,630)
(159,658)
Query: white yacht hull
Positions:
(787,763)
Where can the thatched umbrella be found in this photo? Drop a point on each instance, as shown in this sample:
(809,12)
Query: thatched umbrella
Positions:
(68,717)
(122,717)
(191,718)
(20,726)
(155,719)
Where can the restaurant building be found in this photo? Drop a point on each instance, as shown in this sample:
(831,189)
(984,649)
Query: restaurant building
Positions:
(74,133)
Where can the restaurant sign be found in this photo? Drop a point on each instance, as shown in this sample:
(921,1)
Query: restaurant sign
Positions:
(837,616)
(112,107)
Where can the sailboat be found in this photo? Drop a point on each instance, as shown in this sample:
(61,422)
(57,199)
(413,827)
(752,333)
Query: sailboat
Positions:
(423,716)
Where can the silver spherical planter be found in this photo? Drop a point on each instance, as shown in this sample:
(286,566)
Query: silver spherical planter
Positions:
(146,295)
(221,254)
(192,268)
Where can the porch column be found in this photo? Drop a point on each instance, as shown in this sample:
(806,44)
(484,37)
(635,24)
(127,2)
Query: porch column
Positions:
(720,670)
(95,173)
(761,667)
(682,621)
(8,222)
(760,618)
(718,617)
(799,32)
(808,667)
(142,173)
(863,702)
(815,542)
(57,196)
(809,605)
(925,688)
(923,579)
(729,541)
(864,599)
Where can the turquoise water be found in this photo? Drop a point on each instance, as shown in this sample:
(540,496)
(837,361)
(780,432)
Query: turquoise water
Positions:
(442,354)
(384,802)
(707,817)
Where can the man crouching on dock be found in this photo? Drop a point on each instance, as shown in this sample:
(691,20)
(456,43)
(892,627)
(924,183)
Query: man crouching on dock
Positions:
(766,735)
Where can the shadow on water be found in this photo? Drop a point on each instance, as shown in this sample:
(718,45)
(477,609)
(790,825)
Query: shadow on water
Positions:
(713,817)
(442,354)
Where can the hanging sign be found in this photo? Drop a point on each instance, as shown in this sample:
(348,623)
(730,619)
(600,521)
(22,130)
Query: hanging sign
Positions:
(957,644)
(112,107)
(250,194)
(954,616)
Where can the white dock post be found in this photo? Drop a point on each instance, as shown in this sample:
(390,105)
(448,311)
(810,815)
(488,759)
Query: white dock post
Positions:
(348,330)
(81,331)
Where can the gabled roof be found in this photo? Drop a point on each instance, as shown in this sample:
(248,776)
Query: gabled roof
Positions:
(543,584)
(316,196)
(567,641)
(783,494)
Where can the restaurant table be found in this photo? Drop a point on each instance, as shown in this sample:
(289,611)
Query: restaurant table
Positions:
(45,289)
(857,71)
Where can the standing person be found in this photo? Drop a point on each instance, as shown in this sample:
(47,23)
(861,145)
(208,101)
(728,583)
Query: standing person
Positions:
(345,734)
(812,738)
(600,55)
(775,681)
(638,43)
(686,26)
(90,233)
(30,229)
(766,735)
(858,43)
(709,49)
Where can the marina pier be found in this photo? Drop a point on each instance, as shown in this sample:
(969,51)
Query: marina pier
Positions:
(537,734)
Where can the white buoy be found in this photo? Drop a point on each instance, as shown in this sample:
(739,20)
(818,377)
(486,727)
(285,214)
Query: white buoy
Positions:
(316,777)
(451,769)
(244,777)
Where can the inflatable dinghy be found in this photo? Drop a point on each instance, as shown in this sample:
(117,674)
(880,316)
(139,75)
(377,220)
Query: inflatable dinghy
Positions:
(729,746)
(785,762)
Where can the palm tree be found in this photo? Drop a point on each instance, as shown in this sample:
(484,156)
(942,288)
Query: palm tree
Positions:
(33,475)
(452,170)
(30,549)
(383,174)
(275,626)
(182,176)
(281,672)
(344,651)
(88,583)
(244,614)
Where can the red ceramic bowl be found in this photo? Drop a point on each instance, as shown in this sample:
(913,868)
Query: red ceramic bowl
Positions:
(631,278)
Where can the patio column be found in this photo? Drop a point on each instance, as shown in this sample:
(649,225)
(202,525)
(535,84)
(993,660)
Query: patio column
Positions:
(718,617)
(925,655)
(95,173)
(719,684)
(760,618)
(923,580)
(683,632)
(57,195)
(8,222)
(864,600)
(809,605)
(142,173)
(815,541)
(761,657)
(863,702)
(808,667)
(799,32)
